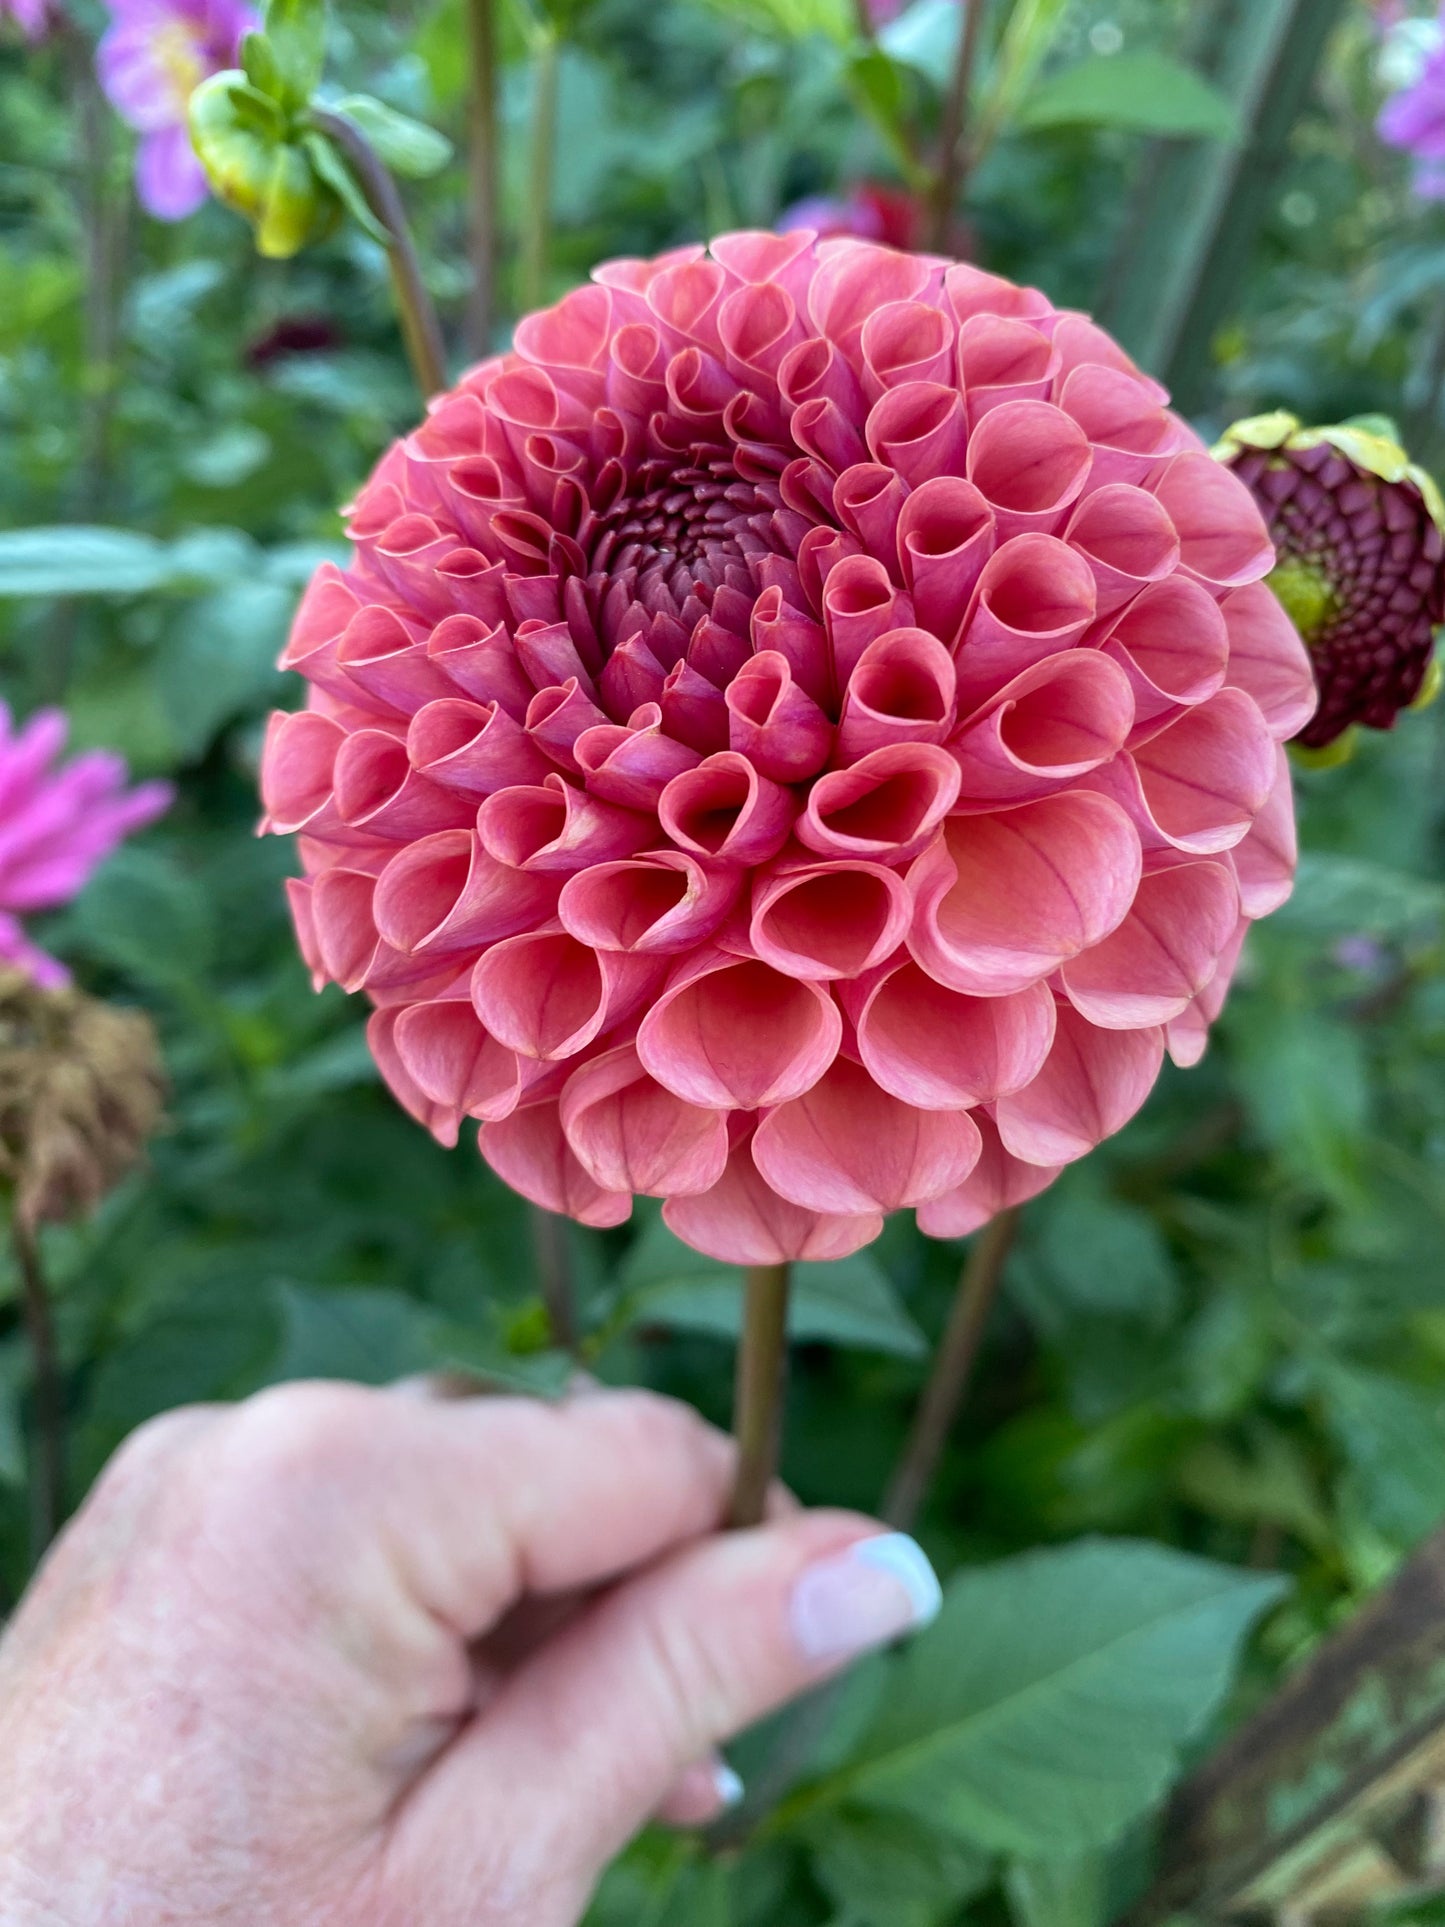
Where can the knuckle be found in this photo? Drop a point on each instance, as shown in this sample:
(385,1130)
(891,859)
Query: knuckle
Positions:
(302,1433)
(695,1694)
(663,1424)
(153,1443)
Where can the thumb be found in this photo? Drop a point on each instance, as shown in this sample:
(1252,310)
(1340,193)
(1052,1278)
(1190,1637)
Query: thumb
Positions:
(588,1738)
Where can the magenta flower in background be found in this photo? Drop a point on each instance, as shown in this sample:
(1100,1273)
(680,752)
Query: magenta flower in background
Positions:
(150,61)
(1413,118)
(31,16)
(56,827)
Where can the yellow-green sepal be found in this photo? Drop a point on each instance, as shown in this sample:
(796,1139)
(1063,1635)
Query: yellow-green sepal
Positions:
(1434,677)
(1329,755)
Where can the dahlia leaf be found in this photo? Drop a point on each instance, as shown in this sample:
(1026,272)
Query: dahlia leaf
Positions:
(849,1302)
(1046,1707)
(80,561)
(407,146)
(924,37)
(1344,895)
(889,1870)
(1392,1434)
(1142,93)
(1068,1892)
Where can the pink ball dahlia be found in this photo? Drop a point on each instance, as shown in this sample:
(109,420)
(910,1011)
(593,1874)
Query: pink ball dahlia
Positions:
(799,737)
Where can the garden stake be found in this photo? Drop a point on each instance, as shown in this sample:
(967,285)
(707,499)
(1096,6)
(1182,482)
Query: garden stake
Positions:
(761,1381)
(953,1363)
(482,175)
(420,328)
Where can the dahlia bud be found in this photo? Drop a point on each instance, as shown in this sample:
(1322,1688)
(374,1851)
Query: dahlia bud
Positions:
(256,167)
(1360,532)
(80,1092)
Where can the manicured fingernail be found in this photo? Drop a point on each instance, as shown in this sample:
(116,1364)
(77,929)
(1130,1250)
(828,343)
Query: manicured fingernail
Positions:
(727,1785)
(864,1597)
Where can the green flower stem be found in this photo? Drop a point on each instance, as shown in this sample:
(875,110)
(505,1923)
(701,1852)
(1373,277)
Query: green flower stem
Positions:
(420,328)
(104,224)
(762,1373)
(482,174)
(537,231)
(554,1279)
(47,1480)
(953,150)
(942,1401)
(953,1364)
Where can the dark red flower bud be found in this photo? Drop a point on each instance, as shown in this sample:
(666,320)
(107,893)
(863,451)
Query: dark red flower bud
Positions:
(1361,568)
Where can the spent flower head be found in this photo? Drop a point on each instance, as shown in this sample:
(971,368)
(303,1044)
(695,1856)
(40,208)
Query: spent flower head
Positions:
(81,1089)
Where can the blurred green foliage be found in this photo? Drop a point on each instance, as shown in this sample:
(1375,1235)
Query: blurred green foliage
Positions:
(1221,1350)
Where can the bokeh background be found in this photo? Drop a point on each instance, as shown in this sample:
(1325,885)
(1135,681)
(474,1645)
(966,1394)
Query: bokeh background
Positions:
(1225,1331)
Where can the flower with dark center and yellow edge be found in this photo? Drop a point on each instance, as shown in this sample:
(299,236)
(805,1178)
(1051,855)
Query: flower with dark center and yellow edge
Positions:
(1360,532)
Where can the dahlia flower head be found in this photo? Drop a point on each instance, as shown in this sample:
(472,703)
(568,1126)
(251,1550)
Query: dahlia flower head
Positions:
(799,737)
(1359,531)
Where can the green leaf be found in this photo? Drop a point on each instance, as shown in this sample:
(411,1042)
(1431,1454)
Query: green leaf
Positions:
(218,661)
(849,1302)
(213,1343)
(1143,93)
(81,561)
(925,37)
(1393,1435)
(296,30)
(144,915)
(793,19)
(355,1332)
(332,169)
(372,1335)
(1098,1255)
(885,89)
(1046,1707)
(1059,1893)
(260,65)
(1306,1080)
(887,1870)
(407,146)
(1272,1484)
(1339,895)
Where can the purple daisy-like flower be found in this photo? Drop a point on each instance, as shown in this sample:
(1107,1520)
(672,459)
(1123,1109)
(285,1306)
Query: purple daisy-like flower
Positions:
(56,826)
(150,61)
(1413,119)
(32,17)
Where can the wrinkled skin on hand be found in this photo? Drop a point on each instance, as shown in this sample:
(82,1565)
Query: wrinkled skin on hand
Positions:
(348,1656)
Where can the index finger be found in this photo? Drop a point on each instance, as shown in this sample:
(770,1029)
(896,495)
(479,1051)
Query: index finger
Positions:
(479,1502)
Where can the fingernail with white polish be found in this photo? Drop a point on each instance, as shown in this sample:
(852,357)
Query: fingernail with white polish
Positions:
(727,1785)
(873,1592)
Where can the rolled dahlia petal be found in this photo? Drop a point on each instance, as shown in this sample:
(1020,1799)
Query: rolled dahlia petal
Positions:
(796,737)
(1360,536)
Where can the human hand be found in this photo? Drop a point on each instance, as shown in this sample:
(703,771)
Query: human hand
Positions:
(382,1659)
